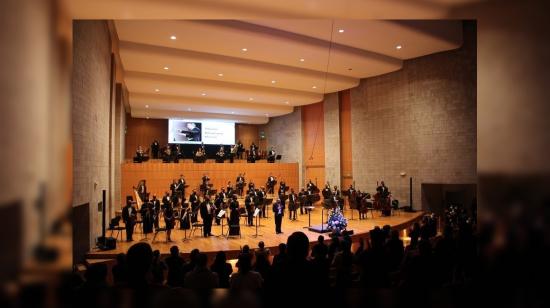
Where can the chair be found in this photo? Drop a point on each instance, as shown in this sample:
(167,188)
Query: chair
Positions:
(243,214)
(114,226)
(157,231)
(395,207)
(195,226)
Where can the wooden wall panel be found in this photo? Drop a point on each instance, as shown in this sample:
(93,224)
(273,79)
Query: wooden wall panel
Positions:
(313,143)
(143,132)
(346,169)
(159,175)
(247,133)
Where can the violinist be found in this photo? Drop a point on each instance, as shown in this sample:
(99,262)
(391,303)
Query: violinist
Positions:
(220,155)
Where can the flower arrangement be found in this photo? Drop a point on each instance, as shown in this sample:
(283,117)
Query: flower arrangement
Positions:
(336,221)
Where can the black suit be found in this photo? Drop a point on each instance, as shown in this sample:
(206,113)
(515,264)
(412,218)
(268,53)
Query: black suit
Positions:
(292,205)
(249,204)
(279,211)
(129,217)
(181,188)
(207,213)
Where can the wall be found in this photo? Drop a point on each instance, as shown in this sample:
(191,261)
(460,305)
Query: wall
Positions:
(314,143)
(346,164)
(331,124)
(159,176)
(248,133)
(285,134)
(91,114)
(143,132)
(420,120)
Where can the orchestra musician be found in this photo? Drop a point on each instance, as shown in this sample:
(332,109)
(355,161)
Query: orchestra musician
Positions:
(185,219)
(156,210)
(142,190)
(310,186)
(336,191)
(174,188)
(155,146)
(205,186)
(169,220)
(220,155)
(249,205)
(233,153)
(383,199)
(279,211)
(240,184)
(129,215)
(200,155)
(229,189)
(207,212)
(302,196)
(181,187)
(147,216)
(240,149)
(234,217)
(252,153)
(271,155)
(194,201)
(271,181)
(292,204)
(251,187)
(140,155)
(326,192)
(260,196)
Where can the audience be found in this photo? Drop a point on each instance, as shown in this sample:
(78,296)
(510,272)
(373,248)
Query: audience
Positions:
(246,278)
(175,265)
(380,261)
(222,268)
(201,277)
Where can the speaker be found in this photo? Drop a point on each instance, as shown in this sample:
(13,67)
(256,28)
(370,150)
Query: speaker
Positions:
(107,243)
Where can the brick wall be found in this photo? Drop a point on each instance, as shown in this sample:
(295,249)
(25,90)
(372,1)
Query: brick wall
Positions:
(90,116)
(285,134)
(420,120)
(332,139)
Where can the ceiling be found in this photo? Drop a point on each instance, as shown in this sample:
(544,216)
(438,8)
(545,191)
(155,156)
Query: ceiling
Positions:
(250,70)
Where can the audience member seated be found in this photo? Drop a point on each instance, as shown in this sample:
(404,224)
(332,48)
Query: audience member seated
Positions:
(201,277)
(245,278)
(222,268)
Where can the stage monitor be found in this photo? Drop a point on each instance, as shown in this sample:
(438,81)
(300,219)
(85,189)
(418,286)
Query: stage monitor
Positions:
(197,132)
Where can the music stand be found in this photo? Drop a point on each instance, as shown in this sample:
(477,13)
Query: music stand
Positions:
(256,214)
(278,157)
(220,215)
(309,208)
(185,216)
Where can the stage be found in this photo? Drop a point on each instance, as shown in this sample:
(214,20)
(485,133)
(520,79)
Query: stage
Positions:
(266,233)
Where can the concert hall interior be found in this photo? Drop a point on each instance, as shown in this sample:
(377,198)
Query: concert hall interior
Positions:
(218,134)
(220,143)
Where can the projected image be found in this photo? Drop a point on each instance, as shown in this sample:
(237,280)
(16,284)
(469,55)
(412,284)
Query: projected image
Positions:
(182,132)
(196,132)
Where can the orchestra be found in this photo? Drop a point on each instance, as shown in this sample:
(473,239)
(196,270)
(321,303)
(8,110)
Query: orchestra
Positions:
(173,207)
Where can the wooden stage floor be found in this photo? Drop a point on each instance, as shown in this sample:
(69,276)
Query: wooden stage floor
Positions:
(266,232)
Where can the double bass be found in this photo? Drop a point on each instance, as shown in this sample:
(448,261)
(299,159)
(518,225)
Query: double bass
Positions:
(382,200)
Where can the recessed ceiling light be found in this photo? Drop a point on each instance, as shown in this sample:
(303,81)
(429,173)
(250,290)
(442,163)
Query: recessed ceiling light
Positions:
(146,106)
(165,68)
(251,98)
(203,94)
(314,87)
(302,60)
(220,74)
(244,49)
(398,47)
(157,90)
(173,37)
(273,81)
(341,30)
